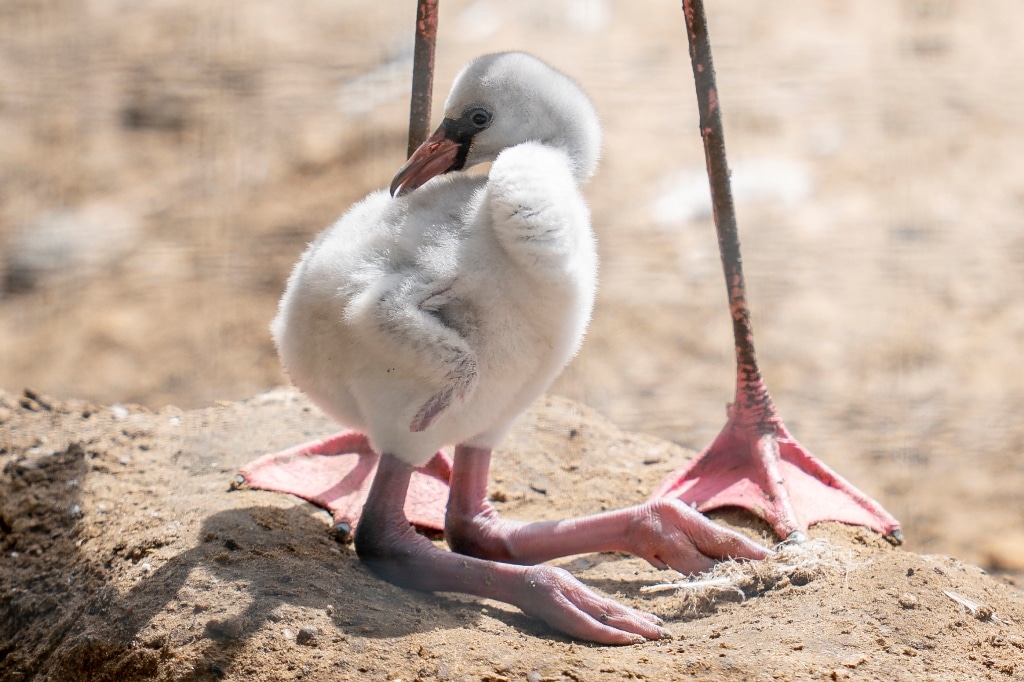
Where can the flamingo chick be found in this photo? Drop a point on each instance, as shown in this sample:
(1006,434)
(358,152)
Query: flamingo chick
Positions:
(435,316)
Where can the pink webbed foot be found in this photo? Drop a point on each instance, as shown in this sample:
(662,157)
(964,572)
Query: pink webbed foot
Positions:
(757,465)
(335,473)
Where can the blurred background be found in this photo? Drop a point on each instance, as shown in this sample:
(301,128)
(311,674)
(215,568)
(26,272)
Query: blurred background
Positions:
(163,164)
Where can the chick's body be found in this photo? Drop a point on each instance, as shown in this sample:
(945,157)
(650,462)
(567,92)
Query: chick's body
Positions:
(435,318)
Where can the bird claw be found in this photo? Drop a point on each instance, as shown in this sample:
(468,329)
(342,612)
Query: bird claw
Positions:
(797,537)
(894,538)
(342,532)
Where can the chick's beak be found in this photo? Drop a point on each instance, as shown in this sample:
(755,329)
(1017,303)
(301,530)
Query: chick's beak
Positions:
(436,156)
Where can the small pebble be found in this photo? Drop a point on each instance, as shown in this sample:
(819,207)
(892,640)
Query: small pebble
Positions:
(855,660)
(801,577)
(307,635)
(908,601)
(229,629)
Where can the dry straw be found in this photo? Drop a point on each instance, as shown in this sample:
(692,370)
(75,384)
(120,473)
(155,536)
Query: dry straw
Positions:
(792,564)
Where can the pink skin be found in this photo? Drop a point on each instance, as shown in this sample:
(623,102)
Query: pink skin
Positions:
(755,463)
(391,548)
(663,532)
(494,555)
(336,472)
(434,157)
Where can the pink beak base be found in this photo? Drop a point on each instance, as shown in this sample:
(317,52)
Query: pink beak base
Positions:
(436,156)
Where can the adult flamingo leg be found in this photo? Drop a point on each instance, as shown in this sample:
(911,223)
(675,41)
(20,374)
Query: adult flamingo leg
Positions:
(754,462)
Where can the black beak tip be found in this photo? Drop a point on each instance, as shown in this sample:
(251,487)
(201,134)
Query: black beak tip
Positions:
(396,188)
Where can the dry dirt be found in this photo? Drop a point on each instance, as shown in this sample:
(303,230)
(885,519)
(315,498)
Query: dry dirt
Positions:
(126,558)
(163,164)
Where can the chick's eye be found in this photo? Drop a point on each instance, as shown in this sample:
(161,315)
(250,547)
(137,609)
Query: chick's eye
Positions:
(480,118)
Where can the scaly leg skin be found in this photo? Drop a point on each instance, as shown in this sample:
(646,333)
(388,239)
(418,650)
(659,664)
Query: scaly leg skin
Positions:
(666,533)
(335,473)
(755,463)
(390,547)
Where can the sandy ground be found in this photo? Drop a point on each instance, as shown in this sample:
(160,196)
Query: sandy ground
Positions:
(126,558)
(163,164)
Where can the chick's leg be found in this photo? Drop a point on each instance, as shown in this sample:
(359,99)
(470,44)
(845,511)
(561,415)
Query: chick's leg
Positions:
(390,547)
(665,532)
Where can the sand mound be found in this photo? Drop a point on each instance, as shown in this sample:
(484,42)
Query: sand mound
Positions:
(126,557)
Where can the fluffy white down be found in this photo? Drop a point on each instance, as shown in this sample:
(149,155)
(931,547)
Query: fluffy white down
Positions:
(479,288)
(530,101)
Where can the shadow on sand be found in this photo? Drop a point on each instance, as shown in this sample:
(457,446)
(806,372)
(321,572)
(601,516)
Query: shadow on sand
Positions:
(260,575)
